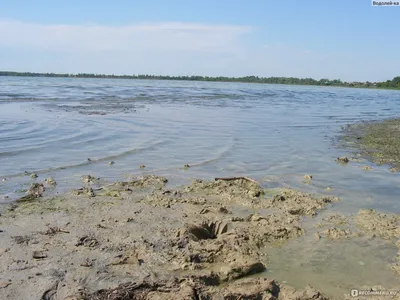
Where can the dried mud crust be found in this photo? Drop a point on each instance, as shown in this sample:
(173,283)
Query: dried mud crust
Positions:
(385,226)
(203,288)
(298,203)
(378,224)
(198,242)
(367,222)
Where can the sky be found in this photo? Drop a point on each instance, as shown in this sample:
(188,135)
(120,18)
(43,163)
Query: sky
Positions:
(349,40)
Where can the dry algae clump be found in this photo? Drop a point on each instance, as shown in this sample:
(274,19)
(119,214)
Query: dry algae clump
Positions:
(35,191)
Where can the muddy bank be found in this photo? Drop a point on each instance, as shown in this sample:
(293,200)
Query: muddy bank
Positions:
(142,240)
(376,141)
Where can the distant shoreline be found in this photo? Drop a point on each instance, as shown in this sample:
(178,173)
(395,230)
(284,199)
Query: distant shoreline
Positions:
(389,84)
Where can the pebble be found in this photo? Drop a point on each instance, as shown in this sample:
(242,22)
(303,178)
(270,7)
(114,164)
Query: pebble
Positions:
(343,159)
(4,284)
(51,181)
(366,168)
(223,210)
(39,254)
(3,250)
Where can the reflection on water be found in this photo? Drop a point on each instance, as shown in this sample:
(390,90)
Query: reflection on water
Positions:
(274,133)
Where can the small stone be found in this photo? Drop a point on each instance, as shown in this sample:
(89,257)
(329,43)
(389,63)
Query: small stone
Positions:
(366,168)
(223,210)
(3,250)
(4,284)
(87,263)
(89,179)
(51,181)
(329,188)
(90,192)
(39,254)
(343,160)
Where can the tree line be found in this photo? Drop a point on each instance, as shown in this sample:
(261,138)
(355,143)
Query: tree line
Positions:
(389,84)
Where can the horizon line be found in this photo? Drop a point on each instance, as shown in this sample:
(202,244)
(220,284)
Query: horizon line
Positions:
(192,77)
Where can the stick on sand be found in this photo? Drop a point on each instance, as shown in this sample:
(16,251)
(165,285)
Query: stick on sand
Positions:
(237,178)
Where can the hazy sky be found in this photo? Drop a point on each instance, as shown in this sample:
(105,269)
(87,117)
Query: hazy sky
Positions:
(346,39)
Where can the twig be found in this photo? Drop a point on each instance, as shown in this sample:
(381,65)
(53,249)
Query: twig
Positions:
(103,187)
(237,178)
(54,230)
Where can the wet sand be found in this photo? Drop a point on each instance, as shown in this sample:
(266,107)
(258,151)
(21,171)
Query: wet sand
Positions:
(142,239)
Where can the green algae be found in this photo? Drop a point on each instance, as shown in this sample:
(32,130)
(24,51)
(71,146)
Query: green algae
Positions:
(35,206)
(378,142)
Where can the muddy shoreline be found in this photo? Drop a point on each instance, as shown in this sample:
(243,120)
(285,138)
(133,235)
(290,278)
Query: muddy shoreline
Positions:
(377,141)
(140,239)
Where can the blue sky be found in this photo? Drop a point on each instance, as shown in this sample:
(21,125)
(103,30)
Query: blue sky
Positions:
(350,40)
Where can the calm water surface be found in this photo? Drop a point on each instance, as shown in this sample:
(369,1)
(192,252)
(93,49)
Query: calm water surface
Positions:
(274,133)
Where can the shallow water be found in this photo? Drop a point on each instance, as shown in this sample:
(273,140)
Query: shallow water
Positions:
(274,133)
(334,267)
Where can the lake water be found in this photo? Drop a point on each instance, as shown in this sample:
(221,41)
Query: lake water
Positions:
(273,133)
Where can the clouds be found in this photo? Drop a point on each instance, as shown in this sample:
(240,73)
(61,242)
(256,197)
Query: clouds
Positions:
(175,48)
(294,61)
(135,38)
